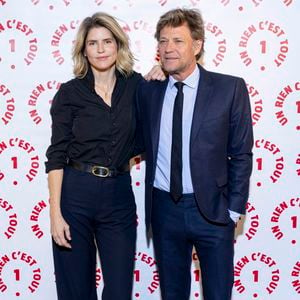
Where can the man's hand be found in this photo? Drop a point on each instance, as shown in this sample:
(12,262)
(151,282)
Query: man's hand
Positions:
(156,73)
(234,216)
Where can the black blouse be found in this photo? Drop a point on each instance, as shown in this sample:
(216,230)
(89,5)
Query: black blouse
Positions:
(86,129)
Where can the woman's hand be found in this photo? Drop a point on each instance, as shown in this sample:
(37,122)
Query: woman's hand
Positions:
(156,73)
(60,230)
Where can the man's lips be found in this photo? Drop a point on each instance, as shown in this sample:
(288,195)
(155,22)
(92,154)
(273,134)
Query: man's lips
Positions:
(170,58)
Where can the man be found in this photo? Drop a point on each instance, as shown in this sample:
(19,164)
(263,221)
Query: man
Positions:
(197,133)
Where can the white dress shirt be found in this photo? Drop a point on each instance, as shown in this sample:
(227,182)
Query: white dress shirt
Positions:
(163,165)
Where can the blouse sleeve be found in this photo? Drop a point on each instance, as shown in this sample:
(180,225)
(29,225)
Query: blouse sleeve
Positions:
(62,122)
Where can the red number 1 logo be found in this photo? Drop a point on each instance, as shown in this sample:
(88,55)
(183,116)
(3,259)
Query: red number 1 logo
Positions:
(255,275)
(15,162)
(298,107)
(294,221)
(12,45)
(137,275)
(17,274)
(197,275)
(259,164)
(263,47)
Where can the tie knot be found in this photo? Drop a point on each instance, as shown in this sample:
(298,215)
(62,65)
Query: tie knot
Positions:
(179,85)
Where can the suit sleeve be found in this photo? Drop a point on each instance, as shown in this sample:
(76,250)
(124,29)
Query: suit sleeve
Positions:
(240,145)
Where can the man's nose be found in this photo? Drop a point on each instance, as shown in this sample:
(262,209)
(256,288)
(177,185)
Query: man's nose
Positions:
(169,46)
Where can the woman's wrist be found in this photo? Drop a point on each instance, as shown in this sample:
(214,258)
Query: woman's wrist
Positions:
(55,209)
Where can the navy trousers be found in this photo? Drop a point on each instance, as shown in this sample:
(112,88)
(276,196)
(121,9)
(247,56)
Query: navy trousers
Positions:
(176,229)
(101,213)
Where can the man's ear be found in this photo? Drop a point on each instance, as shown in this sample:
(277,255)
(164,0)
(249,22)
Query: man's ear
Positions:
(197,45)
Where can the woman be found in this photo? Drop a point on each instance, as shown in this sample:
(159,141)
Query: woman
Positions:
(91,199)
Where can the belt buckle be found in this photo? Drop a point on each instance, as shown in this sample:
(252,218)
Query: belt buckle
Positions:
(95,168)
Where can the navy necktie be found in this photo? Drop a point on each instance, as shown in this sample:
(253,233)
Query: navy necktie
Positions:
(176,152)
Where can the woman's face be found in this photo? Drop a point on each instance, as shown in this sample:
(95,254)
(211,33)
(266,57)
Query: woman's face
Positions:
(101,49)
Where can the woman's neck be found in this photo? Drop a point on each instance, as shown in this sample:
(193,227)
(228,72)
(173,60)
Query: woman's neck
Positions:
(104,78)
(104,84)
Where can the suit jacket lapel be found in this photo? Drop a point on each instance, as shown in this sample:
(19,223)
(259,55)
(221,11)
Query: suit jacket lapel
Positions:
(157,104)
(202,101)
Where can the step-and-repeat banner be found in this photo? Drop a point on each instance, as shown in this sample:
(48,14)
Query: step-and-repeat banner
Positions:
(255,39)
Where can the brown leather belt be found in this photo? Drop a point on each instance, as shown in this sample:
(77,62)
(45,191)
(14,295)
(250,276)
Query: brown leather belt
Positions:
(99,171)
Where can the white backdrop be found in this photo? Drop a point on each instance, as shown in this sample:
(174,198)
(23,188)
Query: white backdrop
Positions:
(255,39)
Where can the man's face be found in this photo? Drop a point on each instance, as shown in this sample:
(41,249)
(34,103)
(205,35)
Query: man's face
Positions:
(177,51)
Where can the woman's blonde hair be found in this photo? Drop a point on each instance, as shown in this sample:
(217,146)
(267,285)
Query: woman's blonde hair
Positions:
(125,59)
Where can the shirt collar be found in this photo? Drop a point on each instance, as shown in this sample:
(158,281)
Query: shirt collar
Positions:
(191,81)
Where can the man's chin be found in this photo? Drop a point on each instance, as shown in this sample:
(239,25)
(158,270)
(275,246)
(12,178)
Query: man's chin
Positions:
(170,70)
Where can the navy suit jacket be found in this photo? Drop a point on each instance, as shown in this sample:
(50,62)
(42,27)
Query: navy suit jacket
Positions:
(220,145)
